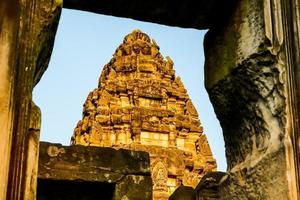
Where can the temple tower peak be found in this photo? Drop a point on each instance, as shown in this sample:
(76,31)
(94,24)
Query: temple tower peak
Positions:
(140,104)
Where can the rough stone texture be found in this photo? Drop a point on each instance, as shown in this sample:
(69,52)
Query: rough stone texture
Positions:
(32,152)
(198,14)
(258,182)
(256,85)
(290,15)
(209,186)
(140,104)
(134,188)
(8,34)
(183,193)
(27,30)
(246,81)
(129,171)
(90,163)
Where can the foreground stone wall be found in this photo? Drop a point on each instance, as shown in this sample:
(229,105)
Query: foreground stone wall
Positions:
(27,31)
(128,171)
(247,84)
(8,33)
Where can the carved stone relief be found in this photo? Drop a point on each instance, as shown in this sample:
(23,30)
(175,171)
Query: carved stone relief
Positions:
(141,104)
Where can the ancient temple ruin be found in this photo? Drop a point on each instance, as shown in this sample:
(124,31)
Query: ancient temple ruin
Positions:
(252,75)
(140,104)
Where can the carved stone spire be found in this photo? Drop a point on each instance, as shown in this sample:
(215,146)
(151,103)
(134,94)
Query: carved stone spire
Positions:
(140,104)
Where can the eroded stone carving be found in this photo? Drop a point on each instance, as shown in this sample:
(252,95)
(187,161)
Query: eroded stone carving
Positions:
(160,179)
(141,105)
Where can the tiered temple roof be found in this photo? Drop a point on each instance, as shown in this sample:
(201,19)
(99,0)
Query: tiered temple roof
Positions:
(140,104)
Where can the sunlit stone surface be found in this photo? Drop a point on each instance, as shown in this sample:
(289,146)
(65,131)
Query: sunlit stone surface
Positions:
(140,104)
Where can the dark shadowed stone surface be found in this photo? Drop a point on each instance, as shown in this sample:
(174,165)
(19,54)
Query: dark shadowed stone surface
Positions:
(209,186)
(74,190)
(183,193)
(199,14)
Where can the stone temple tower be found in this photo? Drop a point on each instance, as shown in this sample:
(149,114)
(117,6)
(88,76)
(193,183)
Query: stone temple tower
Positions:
(140,104)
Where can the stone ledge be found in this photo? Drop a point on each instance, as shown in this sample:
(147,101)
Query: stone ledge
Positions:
(100,164)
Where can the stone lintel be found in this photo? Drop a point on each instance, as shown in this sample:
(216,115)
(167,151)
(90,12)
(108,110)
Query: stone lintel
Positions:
(199,14)
(99,164)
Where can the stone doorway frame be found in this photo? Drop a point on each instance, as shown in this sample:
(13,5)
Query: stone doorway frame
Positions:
(27,30)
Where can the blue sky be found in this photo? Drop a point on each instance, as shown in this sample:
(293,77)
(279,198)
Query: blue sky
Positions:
(85,42)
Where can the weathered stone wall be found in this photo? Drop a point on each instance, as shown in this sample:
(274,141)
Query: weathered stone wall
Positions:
(246,81)
(32,152)
(209,187)
(8,33)
(291,25)
(27,31)
(129,171)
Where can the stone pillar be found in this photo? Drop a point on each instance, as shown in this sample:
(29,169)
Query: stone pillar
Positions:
(8,34)
(32,153)
(246,78)
(26,39)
